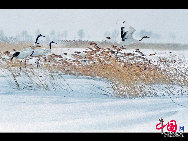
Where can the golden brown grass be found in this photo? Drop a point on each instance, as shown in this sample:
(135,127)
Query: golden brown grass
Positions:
(17,46)
(128,73)
(10,46)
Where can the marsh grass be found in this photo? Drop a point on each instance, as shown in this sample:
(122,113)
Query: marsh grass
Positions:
(129,74)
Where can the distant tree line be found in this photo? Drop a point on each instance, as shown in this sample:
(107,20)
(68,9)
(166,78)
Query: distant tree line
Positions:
(24,36)
(149,33)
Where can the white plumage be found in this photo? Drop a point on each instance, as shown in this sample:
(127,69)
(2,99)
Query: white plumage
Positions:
(42,51)
(127,32)
(23,54)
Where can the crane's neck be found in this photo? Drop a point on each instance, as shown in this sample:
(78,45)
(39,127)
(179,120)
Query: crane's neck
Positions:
(50,45)
(143,38)
(37,39)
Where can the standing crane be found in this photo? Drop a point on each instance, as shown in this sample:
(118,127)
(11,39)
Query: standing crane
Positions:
(23,54)
(42,52)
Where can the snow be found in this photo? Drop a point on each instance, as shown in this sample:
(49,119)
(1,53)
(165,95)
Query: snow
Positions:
(86,104)
(69,51)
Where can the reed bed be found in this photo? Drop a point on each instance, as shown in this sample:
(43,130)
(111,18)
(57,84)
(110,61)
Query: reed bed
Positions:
(129,74)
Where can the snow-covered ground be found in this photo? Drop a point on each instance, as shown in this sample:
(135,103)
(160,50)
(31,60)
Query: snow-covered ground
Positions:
(86,105)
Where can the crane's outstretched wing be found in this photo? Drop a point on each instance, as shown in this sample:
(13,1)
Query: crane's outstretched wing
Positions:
(130,31)
(127,32)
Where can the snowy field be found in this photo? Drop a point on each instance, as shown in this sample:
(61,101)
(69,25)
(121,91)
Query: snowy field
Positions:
(86,104)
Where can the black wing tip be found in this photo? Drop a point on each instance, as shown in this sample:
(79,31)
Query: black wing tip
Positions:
(16,54)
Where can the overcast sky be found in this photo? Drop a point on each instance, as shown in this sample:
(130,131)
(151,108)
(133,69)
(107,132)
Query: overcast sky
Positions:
(96,21)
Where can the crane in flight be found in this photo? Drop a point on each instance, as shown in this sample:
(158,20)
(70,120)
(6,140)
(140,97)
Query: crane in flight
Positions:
(127,32)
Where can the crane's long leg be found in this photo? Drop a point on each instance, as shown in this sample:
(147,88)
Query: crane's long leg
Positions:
(20,65)
(25,63)
(38,62)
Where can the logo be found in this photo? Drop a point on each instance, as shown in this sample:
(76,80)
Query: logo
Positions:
(172,127)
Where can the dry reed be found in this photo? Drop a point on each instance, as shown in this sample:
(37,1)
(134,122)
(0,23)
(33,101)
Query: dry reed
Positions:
(129,74)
